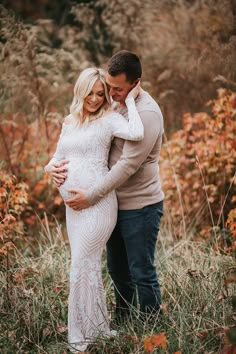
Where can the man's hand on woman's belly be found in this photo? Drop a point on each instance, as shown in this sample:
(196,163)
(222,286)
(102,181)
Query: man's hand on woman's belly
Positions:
(79,201)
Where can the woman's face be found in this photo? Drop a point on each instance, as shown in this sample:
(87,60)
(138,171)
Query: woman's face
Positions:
(95,99)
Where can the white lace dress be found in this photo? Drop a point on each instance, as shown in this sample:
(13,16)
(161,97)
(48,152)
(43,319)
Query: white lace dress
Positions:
(87,148)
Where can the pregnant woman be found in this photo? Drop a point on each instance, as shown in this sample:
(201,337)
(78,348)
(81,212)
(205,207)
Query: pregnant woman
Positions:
(85,142)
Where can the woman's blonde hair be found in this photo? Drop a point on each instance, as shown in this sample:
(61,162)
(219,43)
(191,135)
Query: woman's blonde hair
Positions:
(82,89)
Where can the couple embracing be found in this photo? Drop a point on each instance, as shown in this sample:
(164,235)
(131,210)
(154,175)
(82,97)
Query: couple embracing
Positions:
(106,169)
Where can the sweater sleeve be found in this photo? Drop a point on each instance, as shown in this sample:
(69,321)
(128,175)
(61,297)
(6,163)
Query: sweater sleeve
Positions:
(133,155)
(58,154)
(131,129)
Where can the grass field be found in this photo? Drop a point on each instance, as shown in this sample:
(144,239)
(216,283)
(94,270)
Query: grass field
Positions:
(196,300)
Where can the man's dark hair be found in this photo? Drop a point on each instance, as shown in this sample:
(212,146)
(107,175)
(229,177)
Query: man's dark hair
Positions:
(125,62)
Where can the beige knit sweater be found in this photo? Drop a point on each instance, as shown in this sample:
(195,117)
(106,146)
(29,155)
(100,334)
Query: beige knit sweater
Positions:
(134,170)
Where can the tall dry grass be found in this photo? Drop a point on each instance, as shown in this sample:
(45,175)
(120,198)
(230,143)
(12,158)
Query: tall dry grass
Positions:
(196,300)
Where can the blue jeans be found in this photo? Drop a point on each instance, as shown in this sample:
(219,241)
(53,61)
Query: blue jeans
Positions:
(130,259)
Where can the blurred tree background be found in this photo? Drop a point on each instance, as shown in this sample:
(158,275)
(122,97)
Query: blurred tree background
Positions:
(188,47)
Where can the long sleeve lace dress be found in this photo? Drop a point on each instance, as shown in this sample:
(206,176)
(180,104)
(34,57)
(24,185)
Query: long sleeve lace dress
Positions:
(87,148)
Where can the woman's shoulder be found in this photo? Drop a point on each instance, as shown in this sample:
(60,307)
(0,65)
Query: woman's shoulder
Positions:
(69,120)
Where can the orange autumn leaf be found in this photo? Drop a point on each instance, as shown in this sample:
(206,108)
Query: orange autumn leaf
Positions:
(159,340)
(178,352)
(148,346)
(7,247)
(58,200)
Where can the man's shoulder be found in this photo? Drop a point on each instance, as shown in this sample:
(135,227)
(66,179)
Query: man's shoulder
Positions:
(146,102)
(148,108)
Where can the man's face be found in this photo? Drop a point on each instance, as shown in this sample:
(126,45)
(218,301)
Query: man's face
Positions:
(119,87)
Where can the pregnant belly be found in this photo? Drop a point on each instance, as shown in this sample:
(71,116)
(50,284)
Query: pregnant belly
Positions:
(80,175)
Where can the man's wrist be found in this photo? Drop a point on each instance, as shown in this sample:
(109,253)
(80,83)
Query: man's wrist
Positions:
(91,197)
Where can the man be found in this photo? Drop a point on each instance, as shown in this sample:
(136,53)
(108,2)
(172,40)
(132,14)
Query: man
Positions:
(134,174)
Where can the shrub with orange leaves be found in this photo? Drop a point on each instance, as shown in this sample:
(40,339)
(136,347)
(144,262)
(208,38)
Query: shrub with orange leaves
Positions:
(231,223)
(26,160)
(198,167)
(13,199)
(37,87)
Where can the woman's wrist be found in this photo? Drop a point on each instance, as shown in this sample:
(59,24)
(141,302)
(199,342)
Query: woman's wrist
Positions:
(129,100)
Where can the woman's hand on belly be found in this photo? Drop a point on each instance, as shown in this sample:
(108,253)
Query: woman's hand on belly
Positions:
(58,172)
(78,201)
